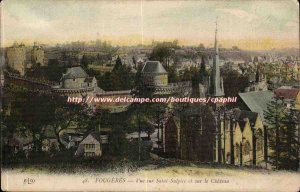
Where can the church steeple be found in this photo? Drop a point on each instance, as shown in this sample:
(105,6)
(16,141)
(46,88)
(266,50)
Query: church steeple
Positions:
(216,39)
(216,84)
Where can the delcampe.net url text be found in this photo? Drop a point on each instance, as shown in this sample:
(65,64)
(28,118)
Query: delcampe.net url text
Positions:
(89,99)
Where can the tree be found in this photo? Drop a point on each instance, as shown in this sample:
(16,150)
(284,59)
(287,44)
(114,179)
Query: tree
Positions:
(54,71)
(289,142)
(201,47)
(202,72)
(274,119)
(234,83)
(235,48)
(163,52)
(120,78)
(66,115)
(117,140)
(36,113)
(84,62)
(105,81)
(186,75)
(257,74)
(134,62)
(172,75)
(118,64)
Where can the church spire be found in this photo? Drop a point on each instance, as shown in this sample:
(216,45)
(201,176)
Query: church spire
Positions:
(216,83)
(216,40)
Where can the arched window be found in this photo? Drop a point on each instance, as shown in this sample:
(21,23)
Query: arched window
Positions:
(228,157)
(259,140)
(247,148)
(237,150)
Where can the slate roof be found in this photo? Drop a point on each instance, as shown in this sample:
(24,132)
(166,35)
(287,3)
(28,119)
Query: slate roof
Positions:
(96,135)
(153,67)
(242,115)
(287,93)
(75,72)
(257,101)
(89,79)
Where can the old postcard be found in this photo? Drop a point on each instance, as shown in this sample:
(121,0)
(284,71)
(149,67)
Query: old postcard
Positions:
(142,95)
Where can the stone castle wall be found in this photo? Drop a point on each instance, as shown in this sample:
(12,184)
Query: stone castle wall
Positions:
(37,56)
(155,79)
(16,58)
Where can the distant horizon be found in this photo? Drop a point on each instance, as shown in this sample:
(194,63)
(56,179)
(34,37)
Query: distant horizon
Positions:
(29,43)
(247,25)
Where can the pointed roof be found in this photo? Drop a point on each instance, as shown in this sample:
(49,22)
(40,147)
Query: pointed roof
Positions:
(153,67)
(242,115)
(94,134)
(257,101)
(216,82)
(75,72)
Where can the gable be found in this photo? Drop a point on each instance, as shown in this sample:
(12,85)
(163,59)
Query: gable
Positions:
(258,122)
(89,140)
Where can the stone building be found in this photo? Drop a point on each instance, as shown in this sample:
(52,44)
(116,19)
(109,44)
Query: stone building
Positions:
(37,55)
(154,74)
(16,57)
(191,135)
(76,78)
(76,82)
(240,139)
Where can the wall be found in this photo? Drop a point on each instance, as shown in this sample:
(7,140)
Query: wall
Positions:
(16,57)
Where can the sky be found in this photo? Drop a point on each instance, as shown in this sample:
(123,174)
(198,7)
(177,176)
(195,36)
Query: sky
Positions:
(253,25)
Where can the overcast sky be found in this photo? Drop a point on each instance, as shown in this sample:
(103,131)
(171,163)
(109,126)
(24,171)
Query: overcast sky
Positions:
(247,24)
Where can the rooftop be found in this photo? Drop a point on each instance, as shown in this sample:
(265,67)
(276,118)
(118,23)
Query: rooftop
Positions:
(75,72)
(257,101)
(242,115)
(153,67)
(287,92)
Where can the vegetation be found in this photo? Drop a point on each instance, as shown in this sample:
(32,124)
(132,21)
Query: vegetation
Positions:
(234,83)
(120,78)
(282,134)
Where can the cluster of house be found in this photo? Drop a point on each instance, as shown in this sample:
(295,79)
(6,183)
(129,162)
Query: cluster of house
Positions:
(199,132)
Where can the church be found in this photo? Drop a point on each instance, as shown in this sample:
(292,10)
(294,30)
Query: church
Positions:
(208,133)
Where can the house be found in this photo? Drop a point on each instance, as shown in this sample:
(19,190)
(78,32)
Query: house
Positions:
(289,95)
(76,78)
(90,146)
(74,139)
(135,135)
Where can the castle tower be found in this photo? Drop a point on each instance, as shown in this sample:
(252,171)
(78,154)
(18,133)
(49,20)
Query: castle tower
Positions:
(216,81)
(37,55)
(16,58)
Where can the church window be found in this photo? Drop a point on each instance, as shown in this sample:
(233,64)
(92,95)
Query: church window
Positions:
(237,150)
(259,140)
(247,148)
